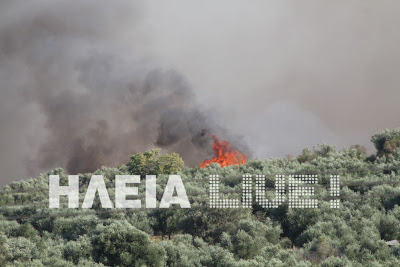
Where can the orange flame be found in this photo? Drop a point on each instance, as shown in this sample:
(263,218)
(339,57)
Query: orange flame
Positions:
(223,154)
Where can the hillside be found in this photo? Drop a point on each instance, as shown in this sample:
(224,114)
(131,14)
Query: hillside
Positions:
(31,234)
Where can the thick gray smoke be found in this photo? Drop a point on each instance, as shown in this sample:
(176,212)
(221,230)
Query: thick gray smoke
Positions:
(89,83)
(289,74)
(73,96)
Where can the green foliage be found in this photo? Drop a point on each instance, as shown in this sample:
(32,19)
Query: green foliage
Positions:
(26,230)
(166,222)
(152,163)
(70,228)
(21,249)
(75,251)
(386,142)
(250,236)
(210,224)
(335,262)
(5,255)
(121,244)
(320,249)
(318,151)
(353,235)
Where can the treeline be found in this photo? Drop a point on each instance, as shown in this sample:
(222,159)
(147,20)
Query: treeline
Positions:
(31,234)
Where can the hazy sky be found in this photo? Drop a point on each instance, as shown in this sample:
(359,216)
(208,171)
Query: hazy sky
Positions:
(87,83)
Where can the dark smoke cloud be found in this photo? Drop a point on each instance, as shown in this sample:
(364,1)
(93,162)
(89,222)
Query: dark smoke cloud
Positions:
(85,84)
(82,99)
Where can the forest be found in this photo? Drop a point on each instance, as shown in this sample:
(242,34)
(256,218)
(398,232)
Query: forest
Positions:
(355,234)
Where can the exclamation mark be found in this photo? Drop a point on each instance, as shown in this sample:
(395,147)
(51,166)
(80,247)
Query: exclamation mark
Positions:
(334,203)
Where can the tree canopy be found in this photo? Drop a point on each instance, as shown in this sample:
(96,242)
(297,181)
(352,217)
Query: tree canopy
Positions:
(31,234)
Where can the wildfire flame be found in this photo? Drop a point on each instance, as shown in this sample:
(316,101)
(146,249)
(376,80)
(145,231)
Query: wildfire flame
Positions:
(223,154)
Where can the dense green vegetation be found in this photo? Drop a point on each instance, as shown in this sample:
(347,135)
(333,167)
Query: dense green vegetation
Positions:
(31,234)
